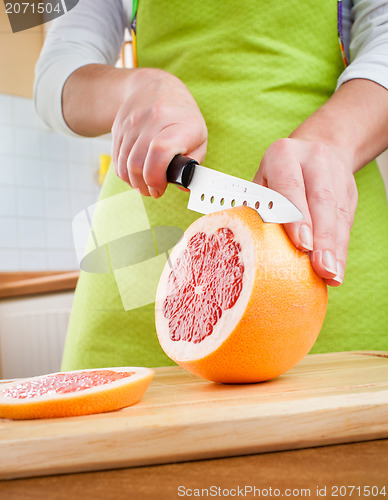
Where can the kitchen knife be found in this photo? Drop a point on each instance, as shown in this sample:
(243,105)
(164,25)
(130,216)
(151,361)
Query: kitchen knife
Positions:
(211,191)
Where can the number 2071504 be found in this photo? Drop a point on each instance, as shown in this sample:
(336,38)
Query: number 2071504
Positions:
(33,8)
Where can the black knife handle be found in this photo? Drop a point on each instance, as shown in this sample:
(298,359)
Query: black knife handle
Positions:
(181,170)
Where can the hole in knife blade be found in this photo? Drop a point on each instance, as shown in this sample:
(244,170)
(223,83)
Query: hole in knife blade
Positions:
(257,205)
(222,201)
(270,205)
(245,203)
(212,199)
(232,203)
(202,197)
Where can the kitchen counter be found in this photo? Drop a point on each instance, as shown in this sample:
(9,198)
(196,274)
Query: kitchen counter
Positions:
(356,464)
(327,399)
(19,284)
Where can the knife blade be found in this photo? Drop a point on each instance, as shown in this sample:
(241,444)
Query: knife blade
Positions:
(211,191)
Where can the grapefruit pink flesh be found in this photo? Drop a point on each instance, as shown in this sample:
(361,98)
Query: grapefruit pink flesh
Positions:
(204,281)
(79,392)
(62,383)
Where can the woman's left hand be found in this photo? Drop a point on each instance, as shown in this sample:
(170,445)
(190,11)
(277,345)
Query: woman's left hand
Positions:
(320,182)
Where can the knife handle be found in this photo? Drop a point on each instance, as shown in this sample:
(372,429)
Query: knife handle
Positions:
(181,170)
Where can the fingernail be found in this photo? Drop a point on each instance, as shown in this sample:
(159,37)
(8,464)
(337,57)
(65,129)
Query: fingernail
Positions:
(339,277)
(153,192)
(306,236)
(329,262)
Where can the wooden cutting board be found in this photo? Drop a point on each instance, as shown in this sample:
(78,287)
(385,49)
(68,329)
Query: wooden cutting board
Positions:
(326,399)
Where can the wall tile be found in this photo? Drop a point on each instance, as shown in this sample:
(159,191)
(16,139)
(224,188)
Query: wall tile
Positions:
(5,109)
(54,146)
(27,142)
(59,235)
(7,201)
(82,176)
(9,233)
(6,139)
(9,260)
(7,169)
(29,171)
(32,260)
(57,204)
(63,260)
(79,149)
(24,114)
(32,234)
(31,202)
(81,200)
(56,174)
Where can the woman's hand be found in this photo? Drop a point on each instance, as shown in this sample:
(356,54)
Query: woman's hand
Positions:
(320,182)
(158,119)
(314,168)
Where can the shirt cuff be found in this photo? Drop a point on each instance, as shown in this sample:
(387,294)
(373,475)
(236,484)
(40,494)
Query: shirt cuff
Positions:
(368,71)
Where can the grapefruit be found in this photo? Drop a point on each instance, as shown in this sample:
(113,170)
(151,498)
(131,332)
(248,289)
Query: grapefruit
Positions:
(236,301)
(79,392)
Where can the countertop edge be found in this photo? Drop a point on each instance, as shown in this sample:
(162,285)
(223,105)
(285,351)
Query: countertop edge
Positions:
(55,282)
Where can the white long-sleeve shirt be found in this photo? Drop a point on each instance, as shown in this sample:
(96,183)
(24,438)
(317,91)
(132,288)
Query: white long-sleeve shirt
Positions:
(93,32)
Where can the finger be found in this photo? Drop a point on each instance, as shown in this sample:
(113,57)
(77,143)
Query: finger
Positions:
(135,164)
(345,219)
(281,171)
(123,158)
(117,139)
(172,140)
(322,201)
(342,243)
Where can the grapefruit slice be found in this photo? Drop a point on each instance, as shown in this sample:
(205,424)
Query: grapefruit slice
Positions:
(79,392)
(237,302)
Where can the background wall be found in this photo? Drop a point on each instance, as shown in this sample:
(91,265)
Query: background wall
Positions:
(45,178)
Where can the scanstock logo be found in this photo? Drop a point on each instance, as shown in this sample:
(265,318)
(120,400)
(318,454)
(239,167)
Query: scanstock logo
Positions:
(23,15)
(115,236)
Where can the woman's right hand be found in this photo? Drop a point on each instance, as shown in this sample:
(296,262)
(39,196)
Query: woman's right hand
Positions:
(157,120)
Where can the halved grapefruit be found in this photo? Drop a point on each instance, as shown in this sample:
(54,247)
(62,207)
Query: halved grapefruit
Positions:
(237,302)
(79,392)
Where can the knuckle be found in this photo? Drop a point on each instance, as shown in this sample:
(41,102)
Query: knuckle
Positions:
(288,183)
(159,146)
(281,146)
(135,166)
(324,196)
(346,215)
(135,118)
(327,234)
(157,111)
(318,150)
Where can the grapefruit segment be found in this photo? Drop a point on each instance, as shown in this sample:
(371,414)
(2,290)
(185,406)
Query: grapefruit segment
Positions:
(79,392)
(237,302)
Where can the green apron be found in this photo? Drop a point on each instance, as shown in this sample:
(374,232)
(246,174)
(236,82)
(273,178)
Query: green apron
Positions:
(257,69)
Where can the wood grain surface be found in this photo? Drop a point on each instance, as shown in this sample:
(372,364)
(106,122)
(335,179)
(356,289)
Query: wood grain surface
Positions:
(328,468)
(326,399)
